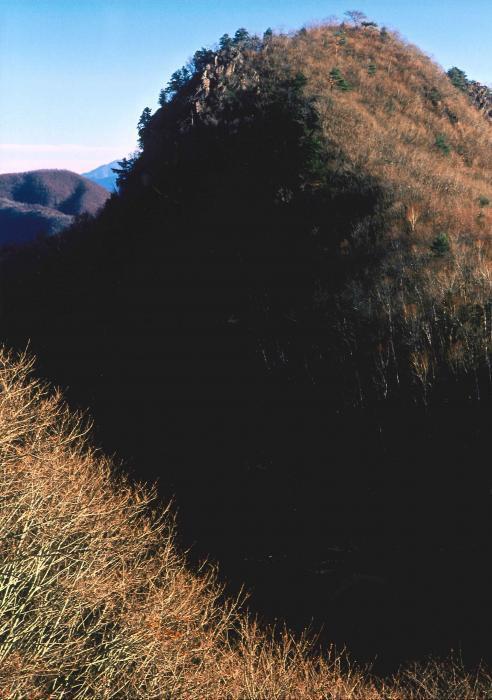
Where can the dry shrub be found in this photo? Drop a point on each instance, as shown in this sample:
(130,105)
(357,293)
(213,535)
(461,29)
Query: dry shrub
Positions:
(95,601)
(387,124)
(387,128)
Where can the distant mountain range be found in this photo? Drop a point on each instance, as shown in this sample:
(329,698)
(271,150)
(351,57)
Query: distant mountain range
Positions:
(104,176)
(43,202)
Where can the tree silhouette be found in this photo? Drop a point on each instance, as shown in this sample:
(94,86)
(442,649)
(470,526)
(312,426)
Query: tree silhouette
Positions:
(356,17)
(142,125)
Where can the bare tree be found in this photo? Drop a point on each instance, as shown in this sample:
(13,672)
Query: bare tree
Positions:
(412,215)
(356,17)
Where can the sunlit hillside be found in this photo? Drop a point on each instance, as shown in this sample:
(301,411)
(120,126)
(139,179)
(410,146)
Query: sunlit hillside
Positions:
(393,169)
(396,116)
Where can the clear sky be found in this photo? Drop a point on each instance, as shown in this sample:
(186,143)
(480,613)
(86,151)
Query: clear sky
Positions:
(76,74)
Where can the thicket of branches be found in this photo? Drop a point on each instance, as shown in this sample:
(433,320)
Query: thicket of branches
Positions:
(95,601)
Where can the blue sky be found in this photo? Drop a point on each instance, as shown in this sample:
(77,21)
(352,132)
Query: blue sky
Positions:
(76,74)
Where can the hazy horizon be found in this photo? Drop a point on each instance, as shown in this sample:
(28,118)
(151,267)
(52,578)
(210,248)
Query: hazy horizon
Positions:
(74,77)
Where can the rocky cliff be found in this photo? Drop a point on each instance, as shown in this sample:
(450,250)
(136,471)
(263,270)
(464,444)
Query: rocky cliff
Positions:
(481,97)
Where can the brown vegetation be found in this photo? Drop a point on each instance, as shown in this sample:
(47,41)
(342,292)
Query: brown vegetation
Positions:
(389,120)
(397,118)
(95,601)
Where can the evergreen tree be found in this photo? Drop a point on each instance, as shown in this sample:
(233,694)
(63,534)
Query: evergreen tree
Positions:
(201,59)
(177,81)
(225,42)
(339,81)
(241,36)
(442,144)
(142,125)
(440,245)
(124,170)
(458,78)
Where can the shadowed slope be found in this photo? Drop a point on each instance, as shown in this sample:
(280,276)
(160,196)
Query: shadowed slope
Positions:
(21,223)
(97,602)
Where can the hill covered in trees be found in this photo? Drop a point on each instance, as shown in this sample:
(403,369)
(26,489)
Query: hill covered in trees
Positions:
(285,316)
(43,202)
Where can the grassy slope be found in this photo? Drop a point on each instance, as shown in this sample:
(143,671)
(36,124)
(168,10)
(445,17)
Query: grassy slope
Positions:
(388,122)
(388,126)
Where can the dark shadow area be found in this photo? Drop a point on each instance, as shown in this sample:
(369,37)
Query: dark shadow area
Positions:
(198,320)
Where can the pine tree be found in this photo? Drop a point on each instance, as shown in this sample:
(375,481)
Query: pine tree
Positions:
(440,245)
(339,81)
(442,144)
(458,78)
(241,36)
(142,125)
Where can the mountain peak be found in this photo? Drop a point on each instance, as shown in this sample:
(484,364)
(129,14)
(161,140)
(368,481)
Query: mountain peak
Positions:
(104,176)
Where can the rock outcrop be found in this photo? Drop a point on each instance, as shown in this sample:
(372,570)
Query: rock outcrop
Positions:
(481,96)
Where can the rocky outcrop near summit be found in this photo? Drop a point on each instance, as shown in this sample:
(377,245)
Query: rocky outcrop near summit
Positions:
(481,96)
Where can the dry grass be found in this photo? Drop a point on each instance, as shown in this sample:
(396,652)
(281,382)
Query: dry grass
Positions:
(400,102)
(96,602)
(404,125)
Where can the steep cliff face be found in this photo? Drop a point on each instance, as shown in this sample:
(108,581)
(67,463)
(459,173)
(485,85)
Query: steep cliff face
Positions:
(481,97)
(215,75)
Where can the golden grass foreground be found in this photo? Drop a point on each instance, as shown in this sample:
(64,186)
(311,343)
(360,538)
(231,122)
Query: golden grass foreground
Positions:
(95,601)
